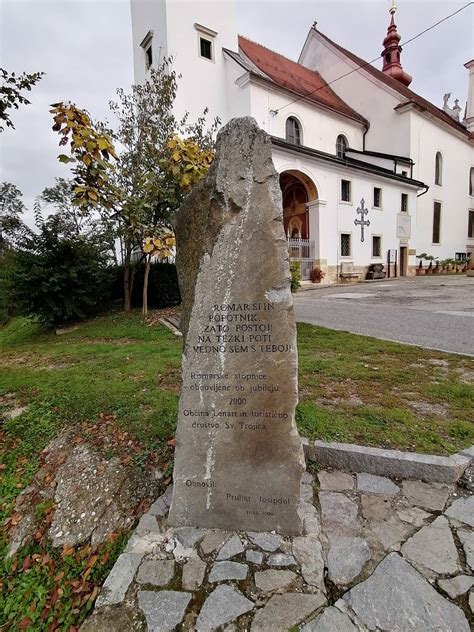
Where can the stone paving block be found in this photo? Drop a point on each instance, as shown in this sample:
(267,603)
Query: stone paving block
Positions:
(163,610)
(346,559)
(256,557)
(338,513)
(232,547)
(471,601)
(266,541)
(309,553)
(146,543)
(433,549)
(306,492)
(284,611)
(119,579)
(456,586)
(462,510)
(224,604)
(414,516)
(432,497)
(391,463)
(222,571)
(281,559)
(189,536)
(307,478)
(156,572)
(469,453)
(331,620)
(335,481)
(193,573)
(398,598)
(213,540)
(376,507)
(467,541)
(268,581)
(376,484)
(309,518)
(388,534)
(147,524)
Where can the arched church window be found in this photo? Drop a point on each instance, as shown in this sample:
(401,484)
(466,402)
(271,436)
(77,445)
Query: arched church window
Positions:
(295,194)
(293,131)
(471,181)
(438,168)
(341,146)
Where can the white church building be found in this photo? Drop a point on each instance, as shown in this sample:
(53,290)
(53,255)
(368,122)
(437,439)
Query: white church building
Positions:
(370,171)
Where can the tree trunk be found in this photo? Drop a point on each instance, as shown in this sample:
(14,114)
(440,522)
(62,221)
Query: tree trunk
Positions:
(145,285)
(127,290)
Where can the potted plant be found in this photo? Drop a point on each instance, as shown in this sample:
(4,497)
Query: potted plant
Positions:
(436,268)
(420,271)
(429,269)
(316,275)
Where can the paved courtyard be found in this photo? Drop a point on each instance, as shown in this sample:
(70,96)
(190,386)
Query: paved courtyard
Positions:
(435,312)
(376,554)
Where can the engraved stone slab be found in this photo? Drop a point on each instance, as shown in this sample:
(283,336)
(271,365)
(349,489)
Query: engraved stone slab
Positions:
(239,458)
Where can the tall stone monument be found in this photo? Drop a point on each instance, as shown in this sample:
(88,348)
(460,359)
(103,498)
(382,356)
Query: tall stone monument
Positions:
(239,458)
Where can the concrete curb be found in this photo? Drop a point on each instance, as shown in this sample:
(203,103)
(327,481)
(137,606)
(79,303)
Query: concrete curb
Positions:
(392,463)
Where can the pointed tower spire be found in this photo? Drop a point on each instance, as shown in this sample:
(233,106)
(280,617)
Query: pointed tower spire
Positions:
(391,52)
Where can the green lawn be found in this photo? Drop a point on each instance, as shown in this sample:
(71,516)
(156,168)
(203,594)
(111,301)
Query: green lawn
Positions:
(119,372)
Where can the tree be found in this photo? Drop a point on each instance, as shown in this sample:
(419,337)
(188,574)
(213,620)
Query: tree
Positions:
(153,171)
(10,93)
(12,228)
(159,247)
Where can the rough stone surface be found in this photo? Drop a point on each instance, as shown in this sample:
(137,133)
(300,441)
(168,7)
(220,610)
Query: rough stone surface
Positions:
(232,547)
(391,463)
(147,524)
(389,534)
(376,507)
(338,512)
(428,496)
(256,458)
(156,572)
(457,585)
(284,611)
(414,516)
(281,559)
(309,553)
(189,536)
(331,620)
(161,506)
(335,481)
(397,598)
(376,484)
(193,573)
(266,541)
(462,510)
(309,517)
(346,559)
(213,540)
(224,604)
(268,581)
(467,541)
(221,571)
(256,557)
(124,617)
(433,549)
(163,610)
(119,579)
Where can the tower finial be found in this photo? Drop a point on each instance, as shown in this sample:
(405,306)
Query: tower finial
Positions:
(393,8)
(392,51)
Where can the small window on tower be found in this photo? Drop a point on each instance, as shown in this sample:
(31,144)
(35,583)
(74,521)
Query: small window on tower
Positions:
(345,190)
(206,48)
(146,46)
(377,197)
(149,57)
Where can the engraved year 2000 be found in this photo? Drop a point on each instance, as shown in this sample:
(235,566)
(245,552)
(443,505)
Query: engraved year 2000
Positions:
(238,401)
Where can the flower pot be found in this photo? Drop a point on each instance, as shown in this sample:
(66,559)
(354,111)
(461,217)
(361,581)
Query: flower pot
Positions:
(420,271)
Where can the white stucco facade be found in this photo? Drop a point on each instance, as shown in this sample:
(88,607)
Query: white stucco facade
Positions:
(392,143)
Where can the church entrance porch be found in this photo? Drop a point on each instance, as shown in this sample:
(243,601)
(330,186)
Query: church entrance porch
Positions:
(298,191)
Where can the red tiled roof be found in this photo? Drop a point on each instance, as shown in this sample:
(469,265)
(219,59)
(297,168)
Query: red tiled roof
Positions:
(295,77)
(399,87)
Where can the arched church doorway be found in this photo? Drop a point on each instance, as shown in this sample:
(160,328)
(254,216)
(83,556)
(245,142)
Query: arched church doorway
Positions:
(297,191)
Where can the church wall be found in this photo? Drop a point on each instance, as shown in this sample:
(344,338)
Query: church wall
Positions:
(427,138)
(320,127)
(389,131)
(147,15)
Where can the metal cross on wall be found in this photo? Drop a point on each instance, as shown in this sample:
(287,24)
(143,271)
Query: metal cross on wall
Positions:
(362,211)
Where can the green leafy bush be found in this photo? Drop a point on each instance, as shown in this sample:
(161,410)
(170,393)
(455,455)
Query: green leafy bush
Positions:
(8,306)
(60,279)
(295,269)
(163,288)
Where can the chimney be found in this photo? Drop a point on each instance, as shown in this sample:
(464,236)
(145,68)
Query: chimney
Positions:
(470,97)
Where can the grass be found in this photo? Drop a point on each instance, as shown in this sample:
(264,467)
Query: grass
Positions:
(126,371)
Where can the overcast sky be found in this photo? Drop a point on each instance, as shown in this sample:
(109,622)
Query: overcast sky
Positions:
(85,48)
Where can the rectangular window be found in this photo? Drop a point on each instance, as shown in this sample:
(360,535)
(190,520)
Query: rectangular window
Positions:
(377,197)
(405,174)
(345,190)
(346,245)
(470,225)
(436,222)
(404,202)
(205,48)
(376,246)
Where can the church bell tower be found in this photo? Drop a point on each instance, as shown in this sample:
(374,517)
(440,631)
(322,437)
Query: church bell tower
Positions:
(392,50)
